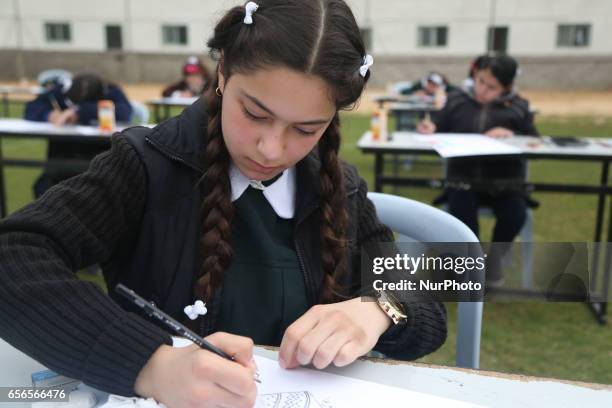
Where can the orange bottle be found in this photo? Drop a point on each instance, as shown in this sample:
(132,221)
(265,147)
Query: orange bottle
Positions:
(106,115)
(375,125)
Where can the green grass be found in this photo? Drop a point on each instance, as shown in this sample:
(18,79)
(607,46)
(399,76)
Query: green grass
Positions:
(558,340)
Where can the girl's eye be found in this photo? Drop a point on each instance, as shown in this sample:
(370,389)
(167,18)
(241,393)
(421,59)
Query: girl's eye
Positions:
(304,132)
(251,116)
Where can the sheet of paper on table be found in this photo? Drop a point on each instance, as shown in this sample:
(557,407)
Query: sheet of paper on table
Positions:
(466,144)
(310,388)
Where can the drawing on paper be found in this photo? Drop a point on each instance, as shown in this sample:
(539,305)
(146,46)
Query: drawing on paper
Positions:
(297,399)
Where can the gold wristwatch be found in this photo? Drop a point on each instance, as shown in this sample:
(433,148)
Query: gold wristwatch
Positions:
(392,307)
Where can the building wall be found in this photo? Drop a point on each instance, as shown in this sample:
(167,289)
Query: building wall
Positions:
(394,24)
(532,23)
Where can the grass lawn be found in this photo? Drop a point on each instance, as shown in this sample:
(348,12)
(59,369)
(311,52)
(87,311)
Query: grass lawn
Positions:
(558,340)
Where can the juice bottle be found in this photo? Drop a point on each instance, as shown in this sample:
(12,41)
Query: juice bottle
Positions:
(375,125)
(106,115)
(383,124)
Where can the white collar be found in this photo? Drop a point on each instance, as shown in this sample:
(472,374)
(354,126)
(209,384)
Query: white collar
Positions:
(280,194)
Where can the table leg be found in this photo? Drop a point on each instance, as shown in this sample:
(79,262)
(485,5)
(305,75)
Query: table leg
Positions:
(601,202)
(5,102)
(603,307)
(599,307)
(378,172)
(2,192)
(396,164)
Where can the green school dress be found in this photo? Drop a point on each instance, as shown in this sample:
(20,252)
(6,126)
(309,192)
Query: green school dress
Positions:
(263,289)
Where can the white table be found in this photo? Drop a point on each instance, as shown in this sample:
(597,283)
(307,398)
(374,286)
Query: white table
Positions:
(19,128)
(531,148)
(480,387)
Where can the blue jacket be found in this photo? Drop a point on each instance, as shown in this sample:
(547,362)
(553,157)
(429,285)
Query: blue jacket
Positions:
(39,109)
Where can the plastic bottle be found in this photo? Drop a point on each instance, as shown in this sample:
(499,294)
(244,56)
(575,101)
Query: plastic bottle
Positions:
(106,115)
(375,125)
(384,121)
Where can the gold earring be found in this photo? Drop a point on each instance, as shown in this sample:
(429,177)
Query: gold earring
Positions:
(218,91)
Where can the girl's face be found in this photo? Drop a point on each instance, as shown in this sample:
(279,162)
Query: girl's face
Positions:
(273,118)
(195,82)
(486,87)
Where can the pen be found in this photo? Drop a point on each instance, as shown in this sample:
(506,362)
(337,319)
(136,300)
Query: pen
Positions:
(151,310)
(54,103)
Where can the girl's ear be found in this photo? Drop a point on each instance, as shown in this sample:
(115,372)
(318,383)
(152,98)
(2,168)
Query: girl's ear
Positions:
(220,77)
(221,80)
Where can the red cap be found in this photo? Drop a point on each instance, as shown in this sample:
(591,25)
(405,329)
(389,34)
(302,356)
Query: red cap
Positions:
(189,69)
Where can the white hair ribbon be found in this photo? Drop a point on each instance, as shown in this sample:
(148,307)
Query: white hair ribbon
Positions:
(368,60)
(249,9)
(195,310)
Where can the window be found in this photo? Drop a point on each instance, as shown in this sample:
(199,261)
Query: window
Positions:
(114,40)
(57,32)
(366,37)
(432,36)
(497,40)
(174,35)
(578,35)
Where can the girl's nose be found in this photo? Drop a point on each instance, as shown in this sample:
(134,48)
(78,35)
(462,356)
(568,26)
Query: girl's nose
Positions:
(271,145)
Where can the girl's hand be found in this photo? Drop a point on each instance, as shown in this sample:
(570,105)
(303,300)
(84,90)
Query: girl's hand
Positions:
(499,133)
(61,118)
(426,126)
(193,377)
(336,333)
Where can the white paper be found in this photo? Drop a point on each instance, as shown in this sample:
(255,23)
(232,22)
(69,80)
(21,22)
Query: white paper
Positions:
(460,144)
(310,388)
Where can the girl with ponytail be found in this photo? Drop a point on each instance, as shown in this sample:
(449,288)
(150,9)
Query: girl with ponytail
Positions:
(240,203)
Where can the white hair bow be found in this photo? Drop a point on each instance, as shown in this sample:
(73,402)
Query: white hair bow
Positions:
(368,60)
(249,9)
(195,310)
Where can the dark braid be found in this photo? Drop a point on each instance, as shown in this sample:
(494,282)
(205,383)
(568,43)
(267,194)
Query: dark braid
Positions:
(333,212)
(216,210)
(323,41)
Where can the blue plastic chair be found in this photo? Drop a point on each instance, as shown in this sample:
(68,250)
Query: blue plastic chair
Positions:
(140,113)
(424,223)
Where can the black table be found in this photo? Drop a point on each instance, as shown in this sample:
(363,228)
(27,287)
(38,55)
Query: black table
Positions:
(596,150)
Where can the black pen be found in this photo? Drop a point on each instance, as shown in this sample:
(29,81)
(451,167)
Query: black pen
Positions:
(54,103)
(151,310)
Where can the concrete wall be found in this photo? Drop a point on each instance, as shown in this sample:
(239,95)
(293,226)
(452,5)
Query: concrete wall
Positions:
(537,72)
(394,24)
(532,25)
(115,66)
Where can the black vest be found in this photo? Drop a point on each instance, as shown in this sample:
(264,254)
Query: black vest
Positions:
(164,262)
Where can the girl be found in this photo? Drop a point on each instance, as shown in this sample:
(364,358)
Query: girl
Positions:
(245,206)
(74,101)
(195,78)
(491,107)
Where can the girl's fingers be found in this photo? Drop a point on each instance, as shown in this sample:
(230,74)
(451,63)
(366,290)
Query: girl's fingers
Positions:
(227,374)
(218,396)
(347,354)
(293,335)
(239,347)
(308,345)
(328,350)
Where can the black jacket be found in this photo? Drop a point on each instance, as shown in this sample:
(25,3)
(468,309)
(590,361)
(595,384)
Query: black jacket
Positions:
(463,114)
(135,211)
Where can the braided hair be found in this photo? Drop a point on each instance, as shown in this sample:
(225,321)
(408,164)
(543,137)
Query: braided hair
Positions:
(319,38)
